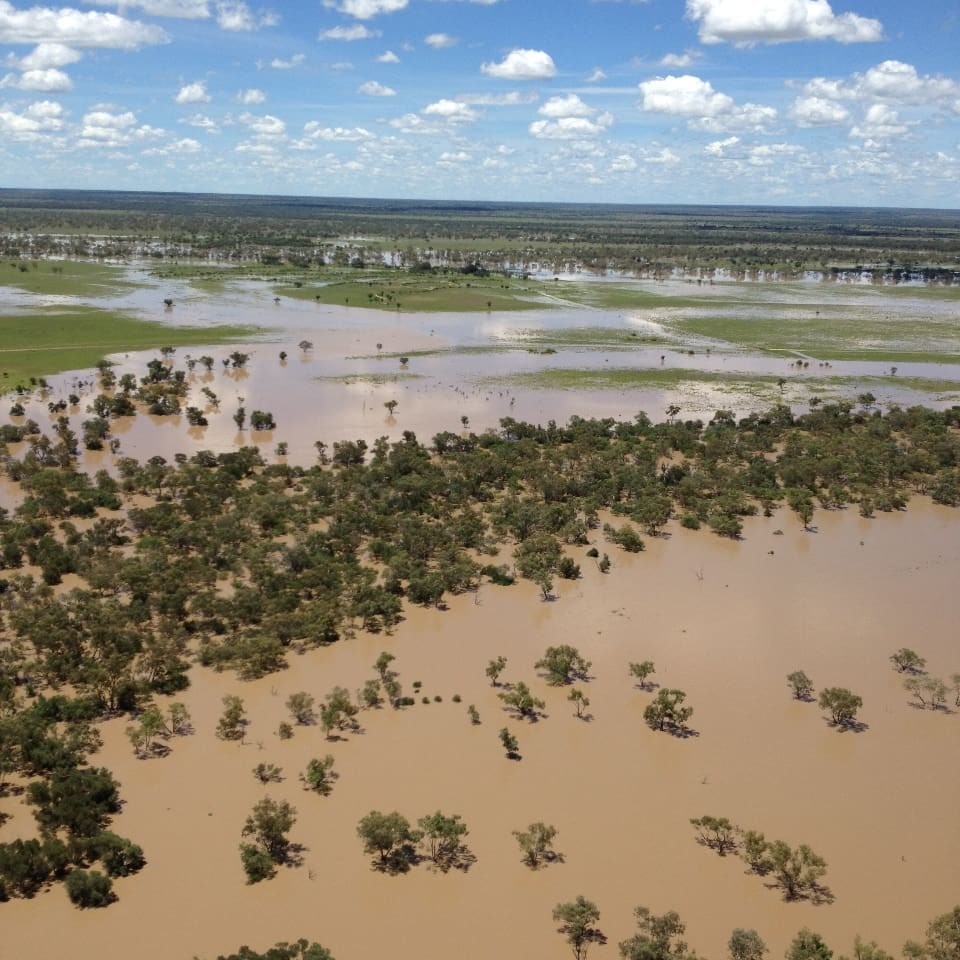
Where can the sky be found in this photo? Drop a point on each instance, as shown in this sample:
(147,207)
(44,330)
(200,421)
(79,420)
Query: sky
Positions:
(809,102)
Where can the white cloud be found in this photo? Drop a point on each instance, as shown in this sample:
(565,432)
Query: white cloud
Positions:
(47,55)
(355,32)
(677,60)
(703,107)
(450,111)
(74,28)
(880,123)
(193,93)
(818,112)
(570,128)
(294,61)
(45,81)
(568,106)
(665,157)
(514,98)
(265,126)
(251,97)
(746,22)
(177,148)
(202,122)
(45,110)
(366,9)
(185,9)
(38,122)
(314,130)
(596,75)
(388,56)
(461,156)
(899,82)
(107,128)
(522,65)
(235,15)
(719,148)
(373,88)
(440,41)
(623,163)
(766,155)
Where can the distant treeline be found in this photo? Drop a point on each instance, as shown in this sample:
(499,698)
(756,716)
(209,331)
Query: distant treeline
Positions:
(649,240)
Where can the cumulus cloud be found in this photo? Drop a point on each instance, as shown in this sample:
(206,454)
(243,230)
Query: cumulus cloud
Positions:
(880,123)
(366,9)
(818,112)
(177,148)
(388,56)
(596,75)
(568,106)
(522,65)
(899,82)
(251,97)
(107,128)
(373,88)
(450,111)
(43,81)
(74,28)
(236,15)
(745,23)
(356,32)
(47,55)
(202,122)
(185,9)
(350,134)
(703,107)
(193,93)
(720,148)
(440,41)
(677,61)
(514,98)
(278,64)
(623,163)
(265,126)
(570,127)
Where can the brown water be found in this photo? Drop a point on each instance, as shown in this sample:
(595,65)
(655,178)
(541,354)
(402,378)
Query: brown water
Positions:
(723,621)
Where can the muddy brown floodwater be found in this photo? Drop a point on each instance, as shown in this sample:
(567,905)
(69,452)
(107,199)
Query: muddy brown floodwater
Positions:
(723,621)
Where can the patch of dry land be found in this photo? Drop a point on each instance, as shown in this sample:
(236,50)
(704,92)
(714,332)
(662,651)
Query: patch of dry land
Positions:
(724,621)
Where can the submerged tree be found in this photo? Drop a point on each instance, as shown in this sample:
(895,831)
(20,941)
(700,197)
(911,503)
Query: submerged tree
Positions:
(536,843)
(578,921)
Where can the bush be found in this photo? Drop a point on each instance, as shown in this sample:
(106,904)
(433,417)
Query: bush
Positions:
(257,863)
(89,888)
(119,857)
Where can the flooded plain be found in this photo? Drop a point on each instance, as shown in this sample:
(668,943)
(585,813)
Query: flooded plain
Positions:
(724,621)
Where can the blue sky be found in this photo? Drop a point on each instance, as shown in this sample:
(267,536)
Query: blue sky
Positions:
(847,102)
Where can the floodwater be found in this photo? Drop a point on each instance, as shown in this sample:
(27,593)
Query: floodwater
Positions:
(723,621)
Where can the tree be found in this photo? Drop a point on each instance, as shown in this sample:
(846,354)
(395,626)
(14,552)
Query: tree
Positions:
(871,951)
(257,862)
(232,722)
(494,669)
(801,684)
(753,849)
(929,691)
(908,661)
(319,775)
(390,836)
(262,420)
(301,707)
(305,345)
(382,665)
(666,711)
(268,825)
(562,664)
(718,833)
(538,558)
(510,742)
(474,714)
(143,736)
(536,843)
(391,405)
(657,937)
(943,939)
(797,871)
(746,945)
(577,923)
(89,888)
(579,701)
(520,699)
(641,671)
(842,704)
(442,837)
(268,773)
(338,710)
(300,950)
(807,945)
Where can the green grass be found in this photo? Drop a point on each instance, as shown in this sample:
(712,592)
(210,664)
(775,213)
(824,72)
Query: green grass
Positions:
(624,378)
(48,342)
(65,278)
(375,379)
(610,296)
(596,337)
(423,293)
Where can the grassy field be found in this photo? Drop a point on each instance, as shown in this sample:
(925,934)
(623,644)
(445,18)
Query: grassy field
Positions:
(65,278)
(43,343)
(404,292)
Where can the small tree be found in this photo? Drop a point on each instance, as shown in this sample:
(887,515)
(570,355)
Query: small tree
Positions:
(718,833)
(641,671)
(370,694)
(807,945)
(797,871)
(842,704)
(442,837)
(579,701)
(388,835)
(666,710)
(319,775)
(801,684)
(257,863)
(578,924)
(562,664)
(391,405)
(232,722)
(494,669)
(510,742)
(908,661)
(89,888)
(268,825)
(871,951)
(943,939)
(657,937)
(746,945)
(929,691)
(382,665)
(268,773)
(301,707)
(474,714)
(536,843)
(520,699)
